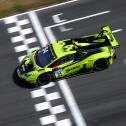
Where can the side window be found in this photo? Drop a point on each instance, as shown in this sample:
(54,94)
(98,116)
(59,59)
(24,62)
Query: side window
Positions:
(66,59)
(54,63)
(80,56)
(63,60)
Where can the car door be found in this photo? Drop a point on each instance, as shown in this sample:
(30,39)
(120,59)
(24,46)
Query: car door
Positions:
(60,64)
(74,67)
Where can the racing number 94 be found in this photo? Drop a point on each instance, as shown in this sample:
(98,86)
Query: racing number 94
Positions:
(59,73)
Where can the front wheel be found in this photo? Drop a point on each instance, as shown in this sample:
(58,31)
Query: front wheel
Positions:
(101,64)
(44,79)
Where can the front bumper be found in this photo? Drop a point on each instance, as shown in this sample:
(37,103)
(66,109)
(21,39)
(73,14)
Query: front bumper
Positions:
(24,72)
(24,78)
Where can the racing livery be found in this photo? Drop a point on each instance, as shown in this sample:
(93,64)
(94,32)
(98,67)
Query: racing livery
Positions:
(69,57)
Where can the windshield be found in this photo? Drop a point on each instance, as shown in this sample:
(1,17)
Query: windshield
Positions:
(44,57)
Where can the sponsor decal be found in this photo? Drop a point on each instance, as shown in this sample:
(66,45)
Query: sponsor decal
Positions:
(59,73)
(72,68)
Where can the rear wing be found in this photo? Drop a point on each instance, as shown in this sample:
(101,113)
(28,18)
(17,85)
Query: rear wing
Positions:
(107,32)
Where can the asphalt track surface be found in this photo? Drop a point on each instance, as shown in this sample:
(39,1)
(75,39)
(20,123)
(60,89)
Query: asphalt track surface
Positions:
(100,96)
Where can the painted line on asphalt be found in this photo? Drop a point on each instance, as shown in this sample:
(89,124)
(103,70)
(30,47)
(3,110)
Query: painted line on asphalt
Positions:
(38,29)
(65,122)
(37,93)
(48,120)
(44,8)
(117,30)
(24,22)
(58,109)
(79,19)
(27,31)
(21,38)
(54,110)
(31,40)
(53,96)
(50,34)
(72,103)
(13,29)
(21,48)
(42,106)
(57,20)
(57,5)
(49,85)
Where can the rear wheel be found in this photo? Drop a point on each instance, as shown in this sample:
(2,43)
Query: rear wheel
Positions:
(44,79)
(101,64)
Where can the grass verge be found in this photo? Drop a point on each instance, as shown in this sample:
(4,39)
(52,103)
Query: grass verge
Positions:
(11,7)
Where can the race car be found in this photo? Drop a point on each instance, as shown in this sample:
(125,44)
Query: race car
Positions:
(69,57)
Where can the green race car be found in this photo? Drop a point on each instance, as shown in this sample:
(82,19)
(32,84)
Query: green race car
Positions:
(69,57)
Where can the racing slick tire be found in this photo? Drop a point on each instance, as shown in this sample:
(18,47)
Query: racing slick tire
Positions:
(101,64)
(43,79)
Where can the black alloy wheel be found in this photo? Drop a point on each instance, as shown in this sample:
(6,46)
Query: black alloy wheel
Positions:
(101,64)
(44,79)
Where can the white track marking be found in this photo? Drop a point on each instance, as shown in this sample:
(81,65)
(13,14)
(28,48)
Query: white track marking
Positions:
(53,110)
(31,40)
(17,39)
(23,22)
(53,96)
(51,84)
(37,93)
(118,30)
(42,106)
(57,5)
(21,37)
(20,58)
(25,45)
(79,19)
(58,109)
(38,28)
(13,29)
(34,48)
(57,20)
(22,32)
(63,29)
(48,119)
(21,48)
(65,122)
(50,34)
(72,103)
(26,31)
(10,20)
